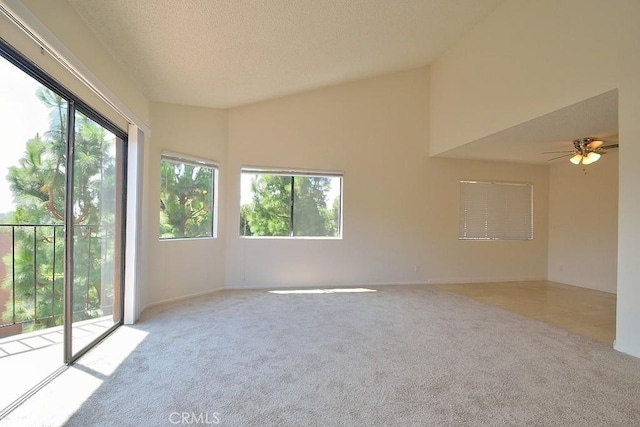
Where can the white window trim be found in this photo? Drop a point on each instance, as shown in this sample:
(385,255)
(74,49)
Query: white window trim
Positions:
(291,171)
(297,172)
(191,160)
(197,161)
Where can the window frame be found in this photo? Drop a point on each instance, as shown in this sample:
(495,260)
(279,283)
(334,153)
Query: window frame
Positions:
(462,219)
(289,172)
(178,158)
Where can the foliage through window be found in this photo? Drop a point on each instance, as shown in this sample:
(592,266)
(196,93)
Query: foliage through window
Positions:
(496,211)
(187,198)
(34,189)
(290,204)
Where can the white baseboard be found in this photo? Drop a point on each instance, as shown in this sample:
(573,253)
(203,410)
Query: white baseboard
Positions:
(630,350)
(180,298)
(442,281)
(455,280)
(325,285)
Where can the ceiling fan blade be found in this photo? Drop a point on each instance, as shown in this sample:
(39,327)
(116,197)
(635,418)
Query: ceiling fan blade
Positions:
(559,157)
(606,147)
(594,144)
(556,152)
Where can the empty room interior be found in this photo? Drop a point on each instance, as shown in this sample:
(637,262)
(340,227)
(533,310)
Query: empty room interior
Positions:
(291,213)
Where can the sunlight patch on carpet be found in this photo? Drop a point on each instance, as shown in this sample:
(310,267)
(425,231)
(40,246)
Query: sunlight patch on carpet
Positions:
(322,291)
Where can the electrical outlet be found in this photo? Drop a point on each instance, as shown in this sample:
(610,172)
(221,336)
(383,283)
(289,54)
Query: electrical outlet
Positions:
(416,268)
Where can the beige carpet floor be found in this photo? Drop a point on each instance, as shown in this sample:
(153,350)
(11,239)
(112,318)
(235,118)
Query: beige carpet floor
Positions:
(400,356)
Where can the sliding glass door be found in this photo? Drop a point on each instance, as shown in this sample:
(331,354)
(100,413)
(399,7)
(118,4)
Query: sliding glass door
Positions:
(94,287)
(62,192)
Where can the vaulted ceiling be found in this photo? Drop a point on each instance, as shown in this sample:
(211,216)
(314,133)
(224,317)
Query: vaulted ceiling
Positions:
(225,53)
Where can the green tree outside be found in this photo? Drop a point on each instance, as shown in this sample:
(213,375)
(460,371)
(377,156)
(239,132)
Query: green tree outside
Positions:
(38,186)
(186,200)
(310,214)
(269,213)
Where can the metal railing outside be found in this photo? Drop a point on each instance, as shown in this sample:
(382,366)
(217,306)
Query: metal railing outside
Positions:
(32,260)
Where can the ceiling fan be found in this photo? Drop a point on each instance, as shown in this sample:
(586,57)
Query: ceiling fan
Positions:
(585,150)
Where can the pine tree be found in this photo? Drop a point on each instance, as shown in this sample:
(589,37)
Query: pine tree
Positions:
(38,187)
(186,200)
(269,213)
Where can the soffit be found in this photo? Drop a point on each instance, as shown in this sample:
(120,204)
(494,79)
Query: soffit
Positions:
(525,143)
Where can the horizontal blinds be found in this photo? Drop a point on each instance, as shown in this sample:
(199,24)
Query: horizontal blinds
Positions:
(188,160)
(290,172)
(496,211)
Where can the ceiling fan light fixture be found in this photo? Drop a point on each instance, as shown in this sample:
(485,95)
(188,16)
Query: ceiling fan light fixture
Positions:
(593,143)
(593,157)
(585,151)
(576,159)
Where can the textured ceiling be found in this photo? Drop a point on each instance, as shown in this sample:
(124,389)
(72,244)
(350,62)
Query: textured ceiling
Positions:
(225,53)
(525,143)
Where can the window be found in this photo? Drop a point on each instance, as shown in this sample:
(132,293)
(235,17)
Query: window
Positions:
(496,211)
(290,204)
(187,197)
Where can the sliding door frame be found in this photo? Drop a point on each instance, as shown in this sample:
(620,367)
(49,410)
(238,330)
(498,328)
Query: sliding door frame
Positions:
(74,103)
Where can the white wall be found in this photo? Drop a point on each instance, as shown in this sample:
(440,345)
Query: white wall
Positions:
(529,58)
(376,132)
(179,268)
(583,223)
(400,206)
(454,261)
(628,313)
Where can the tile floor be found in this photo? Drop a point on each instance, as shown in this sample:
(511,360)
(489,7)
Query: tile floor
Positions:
(583,311)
